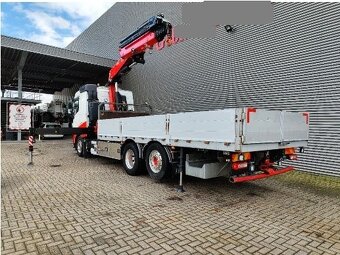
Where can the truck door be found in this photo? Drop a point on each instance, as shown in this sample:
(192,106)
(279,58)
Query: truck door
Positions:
(81,110)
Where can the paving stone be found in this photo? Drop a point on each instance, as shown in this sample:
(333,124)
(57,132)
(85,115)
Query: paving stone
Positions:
(90,206)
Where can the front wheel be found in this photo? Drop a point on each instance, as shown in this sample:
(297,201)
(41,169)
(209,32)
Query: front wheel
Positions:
(79,146)
(131,160)
(157,161)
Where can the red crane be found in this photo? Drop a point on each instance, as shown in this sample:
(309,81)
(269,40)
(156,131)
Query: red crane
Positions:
(133,47)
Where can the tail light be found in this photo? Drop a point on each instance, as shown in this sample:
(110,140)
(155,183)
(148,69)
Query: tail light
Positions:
(240,156)
(239,165)
(289,151)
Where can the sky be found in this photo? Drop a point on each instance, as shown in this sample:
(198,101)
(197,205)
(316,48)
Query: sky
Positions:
(53,23)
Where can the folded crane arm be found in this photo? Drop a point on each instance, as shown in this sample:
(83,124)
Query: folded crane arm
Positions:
(133,47)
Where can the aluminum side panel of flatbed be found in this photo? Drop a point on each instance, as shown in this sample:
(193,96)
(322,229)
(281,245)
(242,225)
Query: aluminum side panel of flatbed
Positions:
(148,127)
(270,129)
(143,127)
(295,126)
(209,126)
(214,130)
(262,126)
(222,130)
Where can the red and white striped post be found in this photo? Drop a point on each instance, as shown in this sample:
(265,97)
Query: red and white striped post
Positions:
(30,149)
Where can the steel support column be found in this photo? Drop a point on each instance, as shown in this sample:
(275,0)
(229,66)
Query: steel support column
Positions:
(20,67)
(19,95)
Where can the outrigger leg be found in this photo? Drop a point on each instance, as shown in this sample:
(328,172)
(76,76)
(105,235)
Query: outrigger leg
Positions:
(181,168)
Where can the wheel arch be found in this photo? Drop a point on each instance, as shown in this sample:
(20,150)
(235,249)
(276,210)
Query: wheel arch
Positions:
(166,148)
(140,149)
(75,138)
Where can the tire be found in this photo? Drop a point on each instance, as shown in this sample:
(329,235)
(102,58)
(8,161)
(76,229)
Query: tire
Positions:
(79,147)
(131,161)
(157,162)
(86,148)
(75,142)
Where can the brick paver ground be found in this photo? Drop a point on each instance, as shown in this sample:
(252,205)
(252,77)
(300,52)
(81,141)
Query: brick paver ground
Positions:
(69,205)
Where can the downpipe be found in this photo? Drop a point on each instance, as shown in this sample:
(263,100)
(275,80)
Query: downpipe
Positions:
(269,173)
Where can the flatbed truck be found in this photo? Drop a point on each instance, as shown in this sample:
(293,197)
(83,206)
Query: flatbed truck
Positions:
(241,144)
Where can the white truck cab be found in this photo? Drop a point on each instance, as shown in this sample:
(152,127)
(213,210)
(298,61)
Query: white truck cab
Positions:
(87,100)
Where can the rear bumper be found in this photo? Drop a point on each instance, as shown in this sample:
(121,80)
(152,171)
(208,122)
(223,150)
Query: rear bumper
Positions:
(270,172)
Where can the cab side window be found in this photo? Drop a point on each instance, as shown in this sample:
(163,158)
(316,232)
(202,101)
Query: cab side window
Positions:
(76,105)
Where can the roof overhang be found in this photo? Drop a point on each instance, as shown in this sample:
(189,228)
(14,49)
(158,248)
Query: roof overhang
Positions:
(47,68)
(22,101)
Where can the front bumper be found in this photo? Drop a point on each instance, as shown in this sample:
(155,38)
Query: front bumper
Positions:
(267,173)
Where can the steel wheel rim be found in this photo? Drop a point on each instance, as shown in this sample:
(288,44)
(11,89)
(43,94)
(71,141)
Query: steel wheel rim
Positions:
(155,161)
(79,146)
(130,159)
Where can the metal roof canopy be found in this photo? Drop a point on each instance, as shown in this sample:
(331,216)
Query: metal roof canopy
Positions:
(47,68)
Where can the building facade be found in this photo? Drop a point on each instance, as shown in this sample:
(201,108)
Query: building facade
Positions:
(291,64)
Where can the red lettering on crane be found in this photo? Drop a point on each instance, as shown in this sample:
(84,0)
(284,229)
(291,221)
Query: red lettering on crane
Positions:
(166,42)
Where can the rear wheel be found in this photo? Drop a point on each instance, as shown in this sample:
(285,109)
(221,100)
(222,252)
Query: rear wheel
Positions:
(131,160)
(157,162)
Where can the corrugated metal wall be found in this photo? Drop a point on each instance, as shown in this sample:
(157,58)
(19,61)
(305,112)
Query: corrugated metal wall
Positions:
(292,64)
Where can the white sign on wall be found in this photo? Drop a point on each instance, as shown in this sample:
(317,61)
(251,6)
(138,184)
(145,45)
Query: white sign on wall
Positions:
(19,117)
